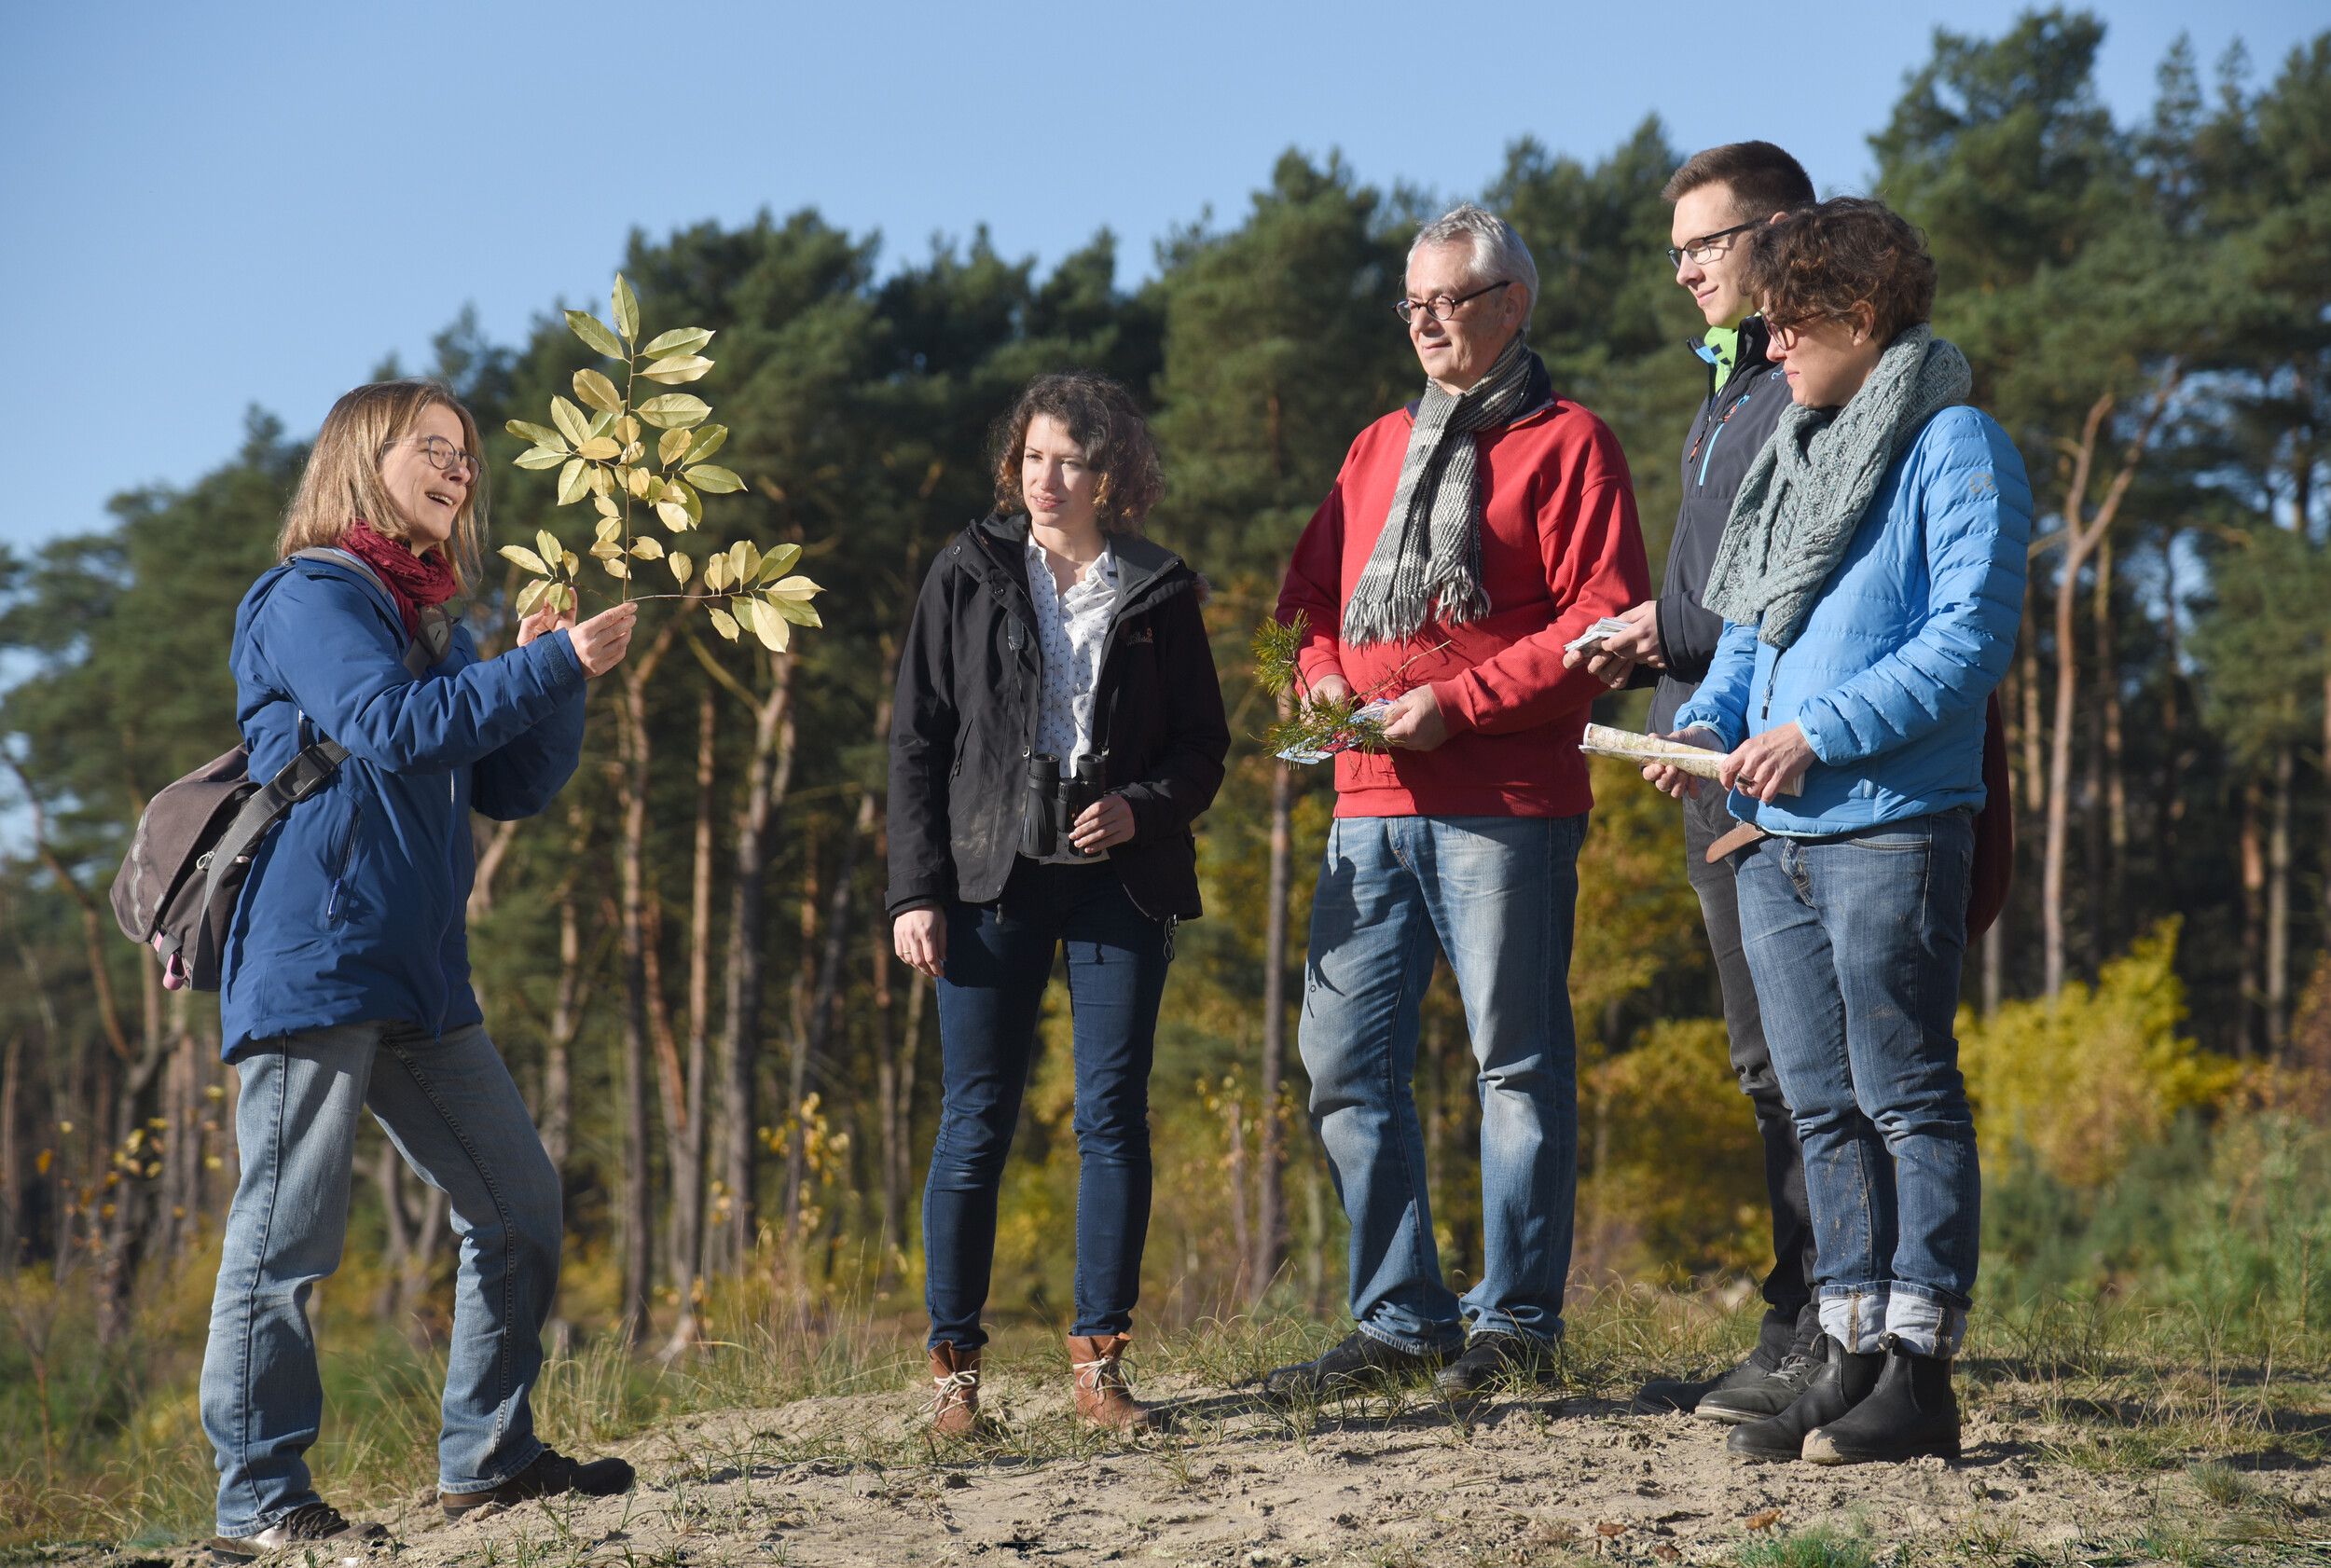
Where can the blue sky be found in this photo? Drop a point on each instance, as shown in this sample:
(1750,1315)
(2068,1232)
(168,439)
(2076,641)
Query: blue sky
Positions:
(211,206)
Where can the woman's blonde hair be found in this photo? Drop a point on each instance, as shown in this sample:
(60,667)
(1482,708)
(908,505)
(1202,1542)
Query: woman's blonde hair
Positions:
(342,484)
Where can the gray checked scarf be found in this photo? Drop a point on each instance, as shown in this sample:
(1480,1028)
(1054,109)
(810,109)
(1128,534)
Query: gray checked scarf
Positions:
(1806,491)
(1428,558)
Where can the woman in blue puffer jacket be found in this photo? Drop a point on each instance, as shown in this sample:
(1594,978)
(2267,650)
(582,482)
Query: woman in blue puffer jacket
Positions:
(1871,580)
(345,981)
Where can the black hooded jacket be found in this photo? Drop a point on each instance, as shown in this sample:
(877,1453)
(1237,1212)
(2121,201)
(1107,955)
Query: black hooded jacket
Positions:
(965,722)
(1734,422)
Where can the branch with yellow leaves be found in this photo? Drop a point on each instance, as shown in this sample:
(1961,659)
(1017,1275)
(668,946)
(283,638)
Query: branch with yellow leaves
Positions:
(603,455)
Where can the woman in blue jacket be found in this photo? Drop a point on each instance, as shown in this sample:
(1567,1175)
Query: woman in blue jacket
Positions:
(345,981)
(1871,580)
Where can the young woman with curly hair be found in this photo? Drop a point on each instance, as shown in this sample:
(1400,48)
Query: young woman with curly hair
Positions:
(1058,728)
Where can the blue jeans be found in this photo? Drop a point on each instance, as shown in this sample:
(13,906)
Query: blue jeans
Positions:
(999,958)
(449,1106)
(1497,895)
(1855,944)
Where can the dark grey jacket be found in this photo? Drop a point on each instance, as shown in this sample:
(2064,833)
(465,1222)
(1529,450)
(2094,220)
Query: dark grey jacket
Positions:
(1733,424)
(965,721)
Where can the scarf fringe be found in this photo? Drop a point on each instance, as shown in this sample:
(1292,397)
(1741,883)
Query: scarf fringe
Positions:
(1427,560)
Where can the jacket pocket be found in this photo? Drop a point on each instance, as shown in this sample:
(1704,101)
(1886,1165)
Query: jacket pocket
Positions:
(336,900)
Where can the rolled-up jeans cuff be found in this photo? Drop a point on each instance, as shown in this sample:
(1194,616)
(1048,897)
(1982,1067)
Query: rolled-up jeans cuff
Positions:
(1411,1343)
(1924,1323)
(1500,1322)
(1854,1316)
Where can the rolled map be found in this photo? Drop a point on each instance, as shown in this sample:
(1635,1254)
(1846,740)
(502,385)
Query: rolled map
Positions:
(1604,741)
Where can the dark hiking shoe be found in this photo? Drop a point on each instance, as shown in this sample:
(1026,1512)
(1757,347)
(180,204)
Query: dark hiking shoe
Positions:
(1911,1414)
(1843,1381)
(1492,1359)
(1751,1392)
(551,1475)
(1359,1364)
(1685,1394)
(317,1528)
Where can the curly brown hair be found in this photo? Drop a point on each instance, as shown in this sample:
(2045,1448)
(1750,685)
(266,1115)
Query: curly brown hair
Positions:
(1101,416)
(1848,257)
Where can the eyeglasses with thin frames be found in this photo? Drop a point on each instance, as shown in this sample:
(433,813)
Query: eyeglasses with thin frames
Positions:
(1440,307)
(1708,246)
(441,454)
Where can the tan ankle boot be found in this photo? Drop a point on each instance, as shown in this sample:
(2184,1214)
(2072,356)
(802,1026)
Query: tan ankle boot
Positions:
(1104,1397)
(954,1397)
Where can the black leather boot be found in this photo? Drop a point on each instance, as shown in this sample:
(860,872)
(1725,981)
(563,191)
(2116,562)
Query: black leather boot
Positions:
(1911,1414)
(1843,1382)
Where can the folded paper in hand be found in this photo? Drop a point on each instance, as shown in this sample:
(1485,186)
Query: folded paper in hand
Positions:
(1604,741)
(1608,626)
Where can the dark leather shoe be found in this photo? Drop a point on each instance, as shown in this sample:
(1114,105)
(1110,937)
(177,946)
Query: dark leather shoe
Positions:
(1843,1381)
(1492,1359)
(1360,1363)
(1911,1414)
(1752,1393)
(551,1475)
(1685,1394)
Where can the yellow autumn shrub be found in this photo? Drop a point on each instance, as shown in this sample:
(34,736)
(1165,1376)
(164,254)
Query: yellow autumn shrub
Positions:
(2077,1083)
(1675,1182)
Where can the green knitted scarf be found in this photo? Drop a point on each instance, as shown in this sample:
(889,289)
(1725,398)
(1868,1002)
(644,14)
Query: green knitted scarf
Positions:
(1806,491)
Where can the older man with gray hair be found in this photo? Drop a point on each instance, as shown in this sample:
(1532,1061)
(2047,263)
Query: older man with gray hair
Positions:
(1466,540)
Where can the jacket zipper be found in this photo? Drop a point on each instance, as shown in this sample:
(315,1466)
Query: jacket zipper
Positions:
(1772,679)
(339,875)
(1717,434)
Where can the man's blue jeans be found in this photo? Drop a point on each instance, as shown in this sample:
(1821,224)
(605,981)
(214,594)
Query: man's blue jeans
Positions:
(999,958)
(1497,895)
(449,1107)
(1857,944)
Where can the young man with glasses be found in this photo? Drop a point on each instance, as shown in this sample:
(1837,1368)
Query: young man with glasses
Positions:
(1467,539)
(1720,198)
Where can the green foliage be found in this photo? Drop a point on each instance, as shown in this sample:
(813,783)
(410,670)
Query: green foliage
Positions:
(2267,642)
(1824,1546)
(2231,1227)
(1312,724)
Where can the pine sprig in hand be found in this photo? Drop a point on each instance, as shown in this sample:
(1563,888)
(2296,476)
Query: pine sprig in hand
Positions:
(1314,724)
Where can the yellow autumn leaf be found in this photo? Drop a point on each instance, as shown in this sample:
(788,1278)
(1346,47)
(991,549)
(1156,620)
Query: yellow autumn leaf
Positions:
(597,391)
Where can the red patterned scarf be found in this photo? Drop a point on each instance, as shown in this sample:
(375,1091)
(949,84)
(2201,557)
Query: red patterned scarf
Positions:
(415,582)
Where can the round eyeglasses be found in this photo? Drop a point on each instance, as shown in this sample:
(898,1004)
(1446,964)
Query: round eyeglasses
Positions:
(1440,307)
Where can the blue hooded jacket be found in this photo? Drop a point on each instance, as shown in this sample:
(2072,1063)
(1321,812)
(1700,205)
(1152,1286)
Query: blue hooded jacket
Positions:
(1911,632)
(355,906)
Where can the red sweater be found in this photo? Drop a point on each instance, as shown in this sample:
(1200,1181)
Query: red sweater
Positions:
(1560,549)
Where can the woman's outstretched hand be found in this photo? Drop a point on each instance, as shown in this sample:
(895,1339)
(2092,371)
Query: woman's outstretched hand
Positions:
(599,642)
(919,938)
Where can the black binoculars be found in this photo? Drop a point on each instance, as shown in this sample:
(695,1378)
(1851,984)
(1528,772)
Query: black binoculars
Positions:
(1055,801)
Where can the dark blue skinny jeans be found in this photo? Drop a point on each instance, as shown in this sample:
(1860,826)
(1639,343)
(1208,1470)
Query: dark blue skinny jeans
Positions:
(999,958)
